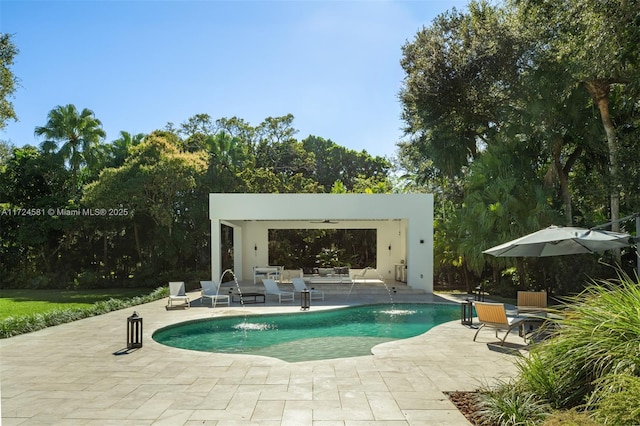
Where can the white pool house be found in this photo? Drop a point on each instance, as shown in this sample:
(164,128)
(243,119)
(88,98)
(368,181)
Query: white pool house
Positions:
(403,224)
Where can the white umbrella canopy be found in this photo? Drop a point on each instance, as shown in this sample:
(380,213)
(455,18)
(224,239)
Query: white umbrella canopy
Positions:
(559,241)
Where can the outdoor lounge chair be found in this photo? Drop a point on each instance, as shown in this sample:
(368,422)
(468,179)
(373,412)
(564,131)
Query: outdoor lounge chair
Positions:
(532,302)
(177,292)
(300,285)
(209,290)
(271,287)
(494,315)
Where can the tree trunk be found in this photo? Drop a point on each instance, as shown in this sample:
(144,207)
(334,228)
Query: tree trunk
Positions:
(561,173)
(467,280)
(566,197)
(105,255)
(564,183)
(599,90)
(137,239)
(558,170)
(521,272)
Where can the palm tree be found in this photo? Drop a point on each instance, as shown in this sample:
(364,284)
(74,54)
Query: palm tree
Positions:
(121,146)
(77,131)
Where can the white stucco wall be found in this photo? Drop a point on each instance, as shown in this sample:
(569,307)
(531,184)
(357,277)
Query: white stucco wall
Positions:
(402,221)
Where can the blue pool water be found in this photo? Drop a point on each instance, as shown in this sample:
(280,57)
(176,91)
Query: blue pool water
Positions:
(305,336)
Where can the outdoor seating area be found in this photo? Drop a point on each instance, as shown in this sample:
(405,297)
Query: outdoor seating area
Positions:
(271,288)
(177,292)
(532,302)
(271,272)
(494,316)
(532,317)
(210,290)
(299,285)
(330,275)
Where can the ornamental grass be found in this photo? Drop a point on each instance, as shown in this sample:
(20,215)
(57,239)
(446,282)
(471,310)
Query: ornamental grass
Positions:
(598,336)
(591,362)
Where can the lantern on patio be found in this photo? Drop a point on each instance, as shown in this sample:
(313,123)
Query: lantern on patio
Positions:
(466,312)
(134,331)
(305,300)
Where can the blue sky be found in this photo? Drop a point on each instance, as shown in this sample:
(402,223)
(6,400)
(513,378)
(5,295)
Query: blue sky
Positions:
(334,65)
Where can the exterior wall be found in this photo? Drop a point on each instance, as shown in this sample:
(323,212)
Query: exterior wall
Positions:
(403,222)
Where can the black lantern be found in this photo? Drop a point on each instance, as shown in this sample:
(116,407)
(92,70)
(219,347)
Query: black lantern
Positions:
(479,293)
(305,300)
(134,331)
(466,312)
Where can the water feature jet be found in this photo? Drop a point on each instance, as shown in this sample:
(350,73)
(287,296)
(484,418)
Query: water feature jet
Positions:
(362,277)
(237,284)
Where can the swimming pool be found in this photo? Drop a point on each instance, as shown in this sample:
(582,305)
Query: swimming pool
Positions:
(305,336)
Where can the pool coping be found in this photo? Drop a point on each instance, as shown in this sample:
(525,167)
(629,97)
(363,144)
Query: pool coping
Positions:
(81,373)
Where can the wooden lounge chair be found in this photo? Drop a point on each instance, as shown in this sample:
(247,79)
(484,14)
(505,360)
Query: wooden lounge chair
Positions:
(532,302)
(300,285)
(209,290)
(271,287)
(494,315)
(177,292)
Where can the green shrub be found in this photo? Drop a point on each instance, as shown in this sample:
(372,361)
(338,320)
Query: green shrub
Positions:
(510,405)
(599,336)
(569,418)
(539,375)
(617,400)
(86,279)
(12,326)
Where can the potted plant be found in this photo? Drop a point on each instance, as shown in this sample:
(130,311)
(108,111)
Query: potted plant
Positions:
(327,260)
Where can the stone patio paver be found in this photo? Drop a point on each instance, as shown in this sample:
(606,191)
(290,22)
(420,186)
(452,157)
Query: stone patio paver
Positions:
(80,374)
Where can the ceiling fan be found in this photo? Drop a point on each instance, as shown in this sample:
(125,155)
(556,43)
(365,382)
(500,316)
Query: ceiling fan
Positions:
(324,221)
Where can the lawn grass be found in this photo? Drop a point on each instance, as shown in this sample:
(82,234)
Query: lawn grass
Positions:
(16,303)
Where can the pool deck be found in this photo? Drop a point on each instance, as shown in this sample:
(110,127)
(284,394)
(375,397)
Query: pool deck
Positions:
(81,374)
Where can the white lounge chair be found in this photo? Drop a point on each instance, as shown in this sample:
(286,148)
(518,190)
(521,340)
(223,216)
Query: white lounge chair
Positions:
(271,287)
(177,292)
(300,285)
(209,290)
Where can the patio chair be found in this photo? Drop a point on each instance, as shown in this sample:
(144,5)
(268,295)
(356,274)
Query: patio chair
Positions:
(532,302)
(209,290)
(177,292)
(494,315)
(271,287)
(300,285)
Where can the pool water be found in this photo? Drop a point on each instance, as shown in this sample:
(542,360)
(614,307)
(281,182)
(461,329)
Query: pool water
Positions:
(305,336)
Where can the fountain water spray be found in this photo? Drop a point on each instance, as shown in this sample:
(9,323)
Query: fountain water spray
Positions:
(362,277)
(235,279)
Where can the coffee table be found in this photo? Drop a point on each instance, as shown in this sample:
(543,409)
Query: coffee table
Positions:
(248,298)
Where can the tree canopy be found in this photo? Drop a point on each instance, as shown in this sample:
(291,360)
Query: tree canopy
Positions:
(8,80)
(517,115)
(136,209)
(523,104)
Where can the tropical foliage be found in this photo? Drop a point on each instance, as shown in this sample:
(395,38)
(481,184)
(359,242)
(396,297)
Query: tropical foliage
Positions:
(82,213)
(8,81)
(591,363)
(518,115)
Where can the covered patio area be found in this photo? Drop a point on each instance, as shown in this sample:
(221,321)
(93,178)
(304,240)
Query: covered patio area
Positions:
(403,224)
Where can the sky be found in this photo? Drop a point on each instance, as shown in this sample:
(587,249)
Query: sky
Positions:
(138,65)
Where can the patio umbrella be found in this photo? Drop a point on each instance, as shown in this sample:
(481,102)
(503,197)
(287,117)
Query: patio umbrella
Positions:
(561,240)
